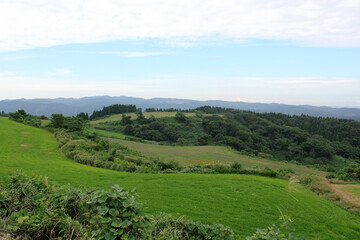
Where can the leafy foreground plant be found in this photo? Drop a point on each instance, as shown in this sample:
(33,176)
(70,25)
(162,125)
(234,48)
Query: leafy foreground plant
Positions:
(31,208)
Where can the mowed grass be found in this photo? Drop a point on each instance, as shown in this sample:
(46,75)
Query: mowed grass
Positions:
(108,134)
(118,117)
(242,202)
(204,155)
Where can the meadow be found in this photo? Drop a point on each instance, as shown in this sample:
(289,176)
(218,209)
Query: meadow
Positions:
(202,155)
(240,201)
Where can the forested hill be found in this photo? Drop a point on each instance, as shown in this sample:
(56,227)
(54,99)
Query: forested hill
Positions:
(326,142)
(73,106)
(297,137)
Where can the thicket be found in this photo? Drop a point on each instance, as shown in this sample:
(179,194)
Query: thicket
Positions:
(22,117)
(112,109)
(349,173)
(72,124)
(166,110)
(32,208)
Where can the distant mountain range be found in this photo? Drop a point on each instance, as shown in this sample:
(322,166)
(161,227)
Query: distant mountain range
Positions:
(73,106)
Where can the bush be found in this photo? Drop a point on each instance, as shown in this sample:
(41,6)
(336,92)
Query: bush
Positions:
(350,173)
(33,209)
(286,172)
(236,165)
(330,176)
(116,213)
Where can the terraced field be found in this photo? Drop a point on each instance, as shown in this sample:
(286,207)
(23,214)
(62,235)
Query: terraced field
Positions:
(242,202)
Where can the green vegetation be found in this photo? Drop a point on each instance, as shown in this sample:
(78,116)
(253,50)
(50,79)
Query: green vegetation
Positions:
(285,231)
(107,134)
(205,155)
(32,208)
(118,117)
(242,202)
(349,173)
(73,124)
(22,117)
(249,133)
(113,109)
(87,148)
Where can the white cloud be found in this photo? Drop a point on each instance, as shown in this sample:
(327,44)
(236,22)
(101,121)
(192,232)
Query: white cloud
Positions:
(14,57)
(136,54)
(40,23)
(7,74)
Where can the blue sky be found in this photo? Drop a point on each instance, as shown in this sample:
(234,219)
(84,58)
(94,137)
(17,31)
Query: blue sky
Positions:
(304,54)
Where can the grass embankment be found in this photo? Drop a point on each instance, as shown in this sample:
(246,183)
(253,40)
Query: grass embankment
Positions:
(240,201)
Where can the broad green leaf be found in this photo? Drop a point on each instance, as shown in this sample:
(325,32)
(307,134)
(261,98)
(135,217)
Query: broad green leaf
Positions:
(114,212)
(117,223)
(105,220)
(102,210)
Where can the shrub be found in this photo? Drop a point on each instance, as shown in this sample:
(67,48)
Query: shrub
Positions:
(286,172)
(236,165)
(330,176)
(116,213)
(351,172)
(35,210)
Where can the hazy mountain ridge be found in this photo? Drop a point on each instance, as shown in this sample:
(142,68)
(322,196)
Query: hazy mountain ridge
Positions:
(73,106)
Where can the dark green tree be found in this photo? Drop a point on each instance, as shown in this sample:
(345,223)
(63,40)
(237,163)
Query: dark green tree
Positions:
(57,120)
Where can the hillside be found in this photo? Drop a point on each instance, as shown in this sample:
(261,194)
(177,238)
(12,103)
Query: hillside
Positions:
(73,106)
(240,201)
(202,155)
(328,144)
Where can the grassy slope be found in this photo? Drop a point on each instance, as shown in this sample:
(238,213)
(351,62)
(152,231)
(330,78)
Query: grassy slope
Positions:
(190,155)
(242,202)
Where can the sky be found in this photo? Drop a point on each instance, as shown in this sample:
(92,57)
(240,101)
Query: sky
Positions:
(292,52)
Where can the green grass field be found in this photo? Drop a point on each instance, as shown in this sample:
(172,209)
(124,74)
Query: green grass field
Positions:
(203,155)
(108,134)
(240,201)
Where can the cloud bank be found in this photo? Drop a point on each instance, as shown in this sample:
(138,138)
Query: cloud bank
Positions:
(307,90)
(41,23)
